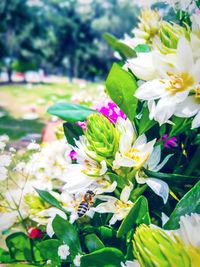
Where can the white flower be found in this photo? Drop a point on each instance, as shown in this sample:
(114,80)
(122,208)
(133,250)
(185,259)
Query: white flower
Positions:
(174,86)
(63,252)
(153,164)
(77,260)
(33,146)
(132,152)
(119,207)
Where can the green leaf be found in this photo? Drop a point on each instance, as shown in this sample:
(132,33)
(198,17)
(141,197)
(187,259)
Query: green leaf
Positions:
(190,203)
(142,48)
(93,243)
(70,112)
(105,257)
(172,177)
(46,196)
(120,180)
(19,246)
(124,50)
(66,232)
(180,125)
(49,250)
(137,215)
(145,123)
(72,130)
(121,86)
(5,256)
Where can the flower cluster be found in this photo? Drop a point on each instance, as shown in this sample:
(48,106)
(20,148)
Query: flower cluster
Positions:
(123,188)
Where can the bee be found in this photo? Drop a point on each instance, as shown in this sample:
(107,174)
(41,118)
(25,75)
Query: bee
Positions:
(86,203)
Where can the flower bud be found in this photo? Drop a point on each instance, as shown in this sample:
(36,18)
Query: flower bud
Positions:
(102,136)
(170,34)
(154,247)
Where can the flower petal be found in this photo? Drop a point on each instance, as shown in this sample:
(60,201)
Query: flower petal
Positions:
(152,90)
(187,108)
(159,187)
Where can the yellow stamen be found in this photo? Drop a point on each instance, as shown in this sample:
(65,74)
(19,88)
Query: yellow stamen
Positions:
(180,83)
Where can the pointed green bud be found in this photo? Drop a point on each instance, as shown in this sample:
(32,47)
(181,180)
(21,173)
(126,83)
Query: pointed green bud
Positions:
(102,136)
(170,34)
(154,247)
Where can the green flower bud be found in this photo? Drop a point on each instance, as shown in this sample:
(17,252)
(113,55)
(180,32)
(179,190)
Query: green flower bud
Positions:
(154,247)
(169,36)
(102,136)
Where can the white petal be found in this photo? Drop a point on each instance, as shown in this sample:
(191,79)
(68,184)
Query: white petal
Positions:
(196,121)
(152,109)
(141,140)
(142,66)
(153,90)
(154,158)
(103,167)
(190,229)
(159,187)
(184,55)
(187,108)
(165,160)
(164,218)
(164,110)
(125,194)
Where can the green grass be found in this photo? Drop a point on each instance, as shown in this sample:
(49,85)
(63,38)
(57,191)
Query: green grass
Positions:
(16,100)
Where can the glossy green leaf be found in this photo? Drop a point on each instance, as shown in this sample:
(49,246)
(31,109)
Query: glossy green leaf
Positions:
(190,203)
(172,177)
(124,50)
(49,250)
(66,232)
(142,48)
(19,246)
(145,123)
(72,131)
(180,125)
(121,86)
(46,196)
(120,180)
(105,257)
(5,256)
(137,215)
(70,112)
(93,243)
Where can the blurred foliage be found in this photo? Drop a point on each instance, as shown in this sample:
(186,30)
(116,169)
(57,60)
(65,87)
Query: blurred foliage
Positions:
(62,36)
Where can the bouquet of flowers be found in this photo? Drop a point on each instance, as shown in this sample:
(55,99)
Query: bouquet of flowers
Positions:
(123,190)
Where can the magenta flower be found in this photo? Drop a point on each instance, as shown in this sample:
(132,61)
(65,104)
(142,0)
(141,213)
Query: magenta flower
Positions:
(82,124)
(169,142)
(73,155)
(111,111)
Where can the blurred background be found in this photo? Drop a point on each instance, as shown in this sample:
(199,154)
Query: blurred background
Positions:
(53,50)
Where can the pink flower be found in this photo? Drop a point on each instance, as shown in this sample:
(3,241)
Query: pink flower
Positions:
(111,111)
(35,232)
(72,155)
(169,142)
(82,124)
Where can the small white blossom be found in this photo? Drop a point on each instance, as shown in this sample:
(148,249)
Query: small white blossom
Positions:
(63,252)
(33,146)
(77,260)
